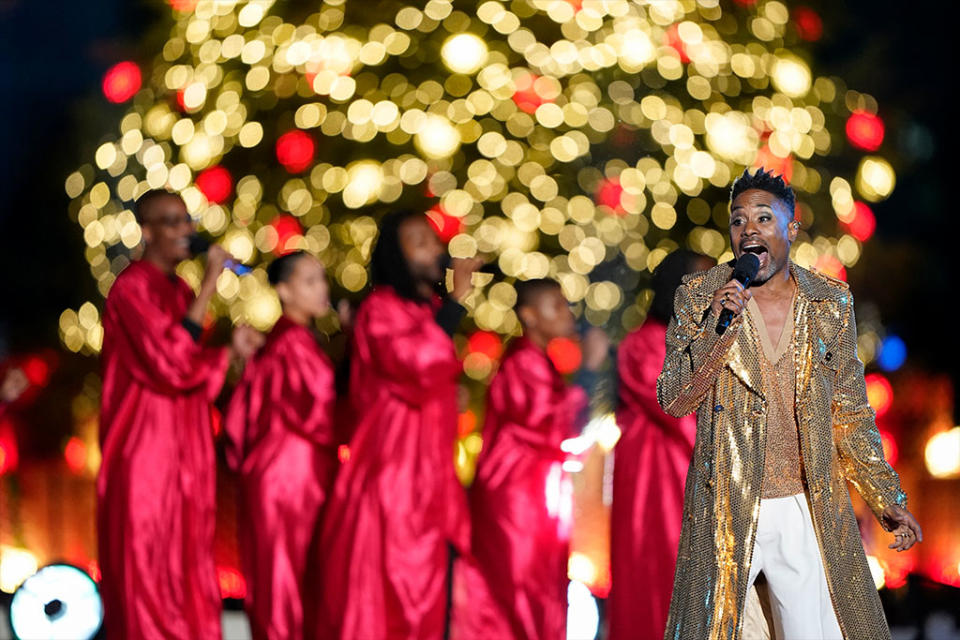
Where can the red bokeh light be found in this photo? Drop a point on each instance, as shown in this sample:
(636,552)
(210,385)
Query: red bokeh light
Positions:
(295,150)
(486,342)
(37,370)
(121,81)
(287,227)
(745,3)
(75,454)
(181,105)
(808,23)
(772,162)
(216,183)
(526,96)
(232,583)
(466,423)
(565,354)
(183,6)
(830,266)
(343,453)
(608,194)
(9,453)
(863,224)
(576,4)
(879,393)
(445,225)
(865,130)
(671,38)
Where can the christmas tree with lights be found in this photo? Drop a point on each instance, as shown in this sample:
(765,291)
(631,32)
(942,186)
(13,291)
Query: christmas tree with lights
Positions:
(577,139)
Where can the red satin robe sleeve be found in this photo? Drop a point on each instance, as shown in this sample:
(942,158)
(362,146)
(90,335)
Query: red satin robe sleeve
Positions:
(156,486)
(279,427)
(520,522)
(650,469)
(396,504)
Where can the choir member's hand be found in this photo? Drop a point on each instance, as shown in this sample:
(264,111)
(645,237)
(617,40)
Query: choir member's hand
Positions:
(463,269)
(595,346)
(14,383)
(246,340)
(217,258)
(344,314)
(730,296)
(904,527)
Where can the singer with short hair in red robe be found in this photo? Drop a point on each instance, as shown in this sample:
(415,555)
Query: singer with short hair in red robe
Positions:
(280,438)
(156,486)
(516,582)
(397,506)
(650,468)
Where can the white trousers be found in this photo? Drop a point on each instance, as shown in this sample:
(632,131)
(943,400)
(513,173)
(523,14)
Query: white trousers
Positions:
(787,553)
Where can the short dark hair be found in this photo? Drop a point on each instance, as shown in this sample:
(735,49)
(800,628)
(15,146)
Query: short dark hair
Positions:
(765,181)
(388,265)
(281,268)
(143,202)
(667,277)
(529,290)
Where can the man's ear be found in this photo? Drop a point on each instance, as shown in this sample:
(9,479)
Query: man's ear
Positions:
(528,317)
(283,291)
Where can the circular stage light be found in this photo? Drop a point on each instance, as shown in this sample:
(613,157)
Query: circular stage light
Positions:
(58,602)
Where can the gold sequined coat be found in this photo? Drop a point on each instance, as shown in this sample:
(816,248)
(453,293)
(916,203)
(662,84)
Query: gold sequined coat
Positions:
(719,378)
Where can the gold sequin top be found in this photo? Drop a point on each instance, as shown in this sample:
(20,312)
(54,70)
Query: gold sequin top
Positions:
(781,461)
(720,377)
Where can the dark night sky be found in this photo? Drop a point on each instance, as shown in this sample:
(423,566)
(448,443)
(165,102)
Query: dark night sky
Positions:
(54,52)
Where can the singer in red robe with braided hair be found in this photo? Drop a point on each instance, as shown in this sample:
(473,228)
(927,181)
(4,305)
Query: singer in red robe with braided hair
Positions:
(280,437)
(397,506)
(156,487)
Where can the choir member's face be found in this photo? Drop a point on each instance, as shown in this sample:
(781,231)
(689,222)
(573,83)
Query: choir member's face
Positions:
(306,290)
(760,223)
(167,228)
(549,315)
(422,249)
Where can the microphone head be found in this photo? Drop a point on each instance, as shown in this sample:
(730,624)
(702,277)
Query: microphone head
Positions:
(746,268)
(198,244)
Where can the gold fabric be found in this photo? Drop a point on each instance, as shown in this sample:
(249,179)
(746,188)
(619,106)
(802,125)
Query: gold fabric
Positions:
(781,466)
(720,377)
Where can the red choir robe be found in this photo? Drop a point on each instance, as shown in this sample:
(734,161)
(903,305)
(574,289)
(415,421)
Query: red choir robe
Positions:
(156,489)
(650,469)
(280,438)
(396,505)
(516,582)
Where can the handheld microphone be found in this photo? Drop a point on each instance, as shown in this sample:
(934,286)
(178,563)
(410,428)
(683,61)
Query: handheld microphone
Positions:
(199,244)
(744,271)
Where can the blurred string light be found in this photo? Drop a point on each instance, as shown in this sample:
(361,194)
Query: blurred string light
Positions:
(942,454)
(492,117)
(879,393)
(893,353)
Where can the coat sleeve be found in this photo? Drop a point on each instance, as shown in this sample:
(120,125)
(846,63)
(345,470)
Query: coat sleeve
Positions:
(695,355)
(855,430)
(163,355)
